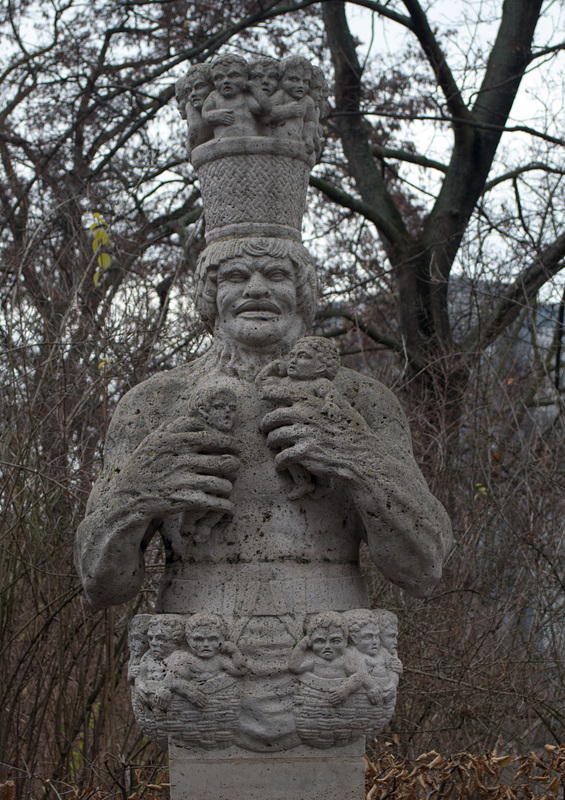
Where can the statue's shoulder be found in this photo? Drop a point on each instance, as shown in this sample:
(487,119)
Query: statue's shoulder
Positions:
(374,401)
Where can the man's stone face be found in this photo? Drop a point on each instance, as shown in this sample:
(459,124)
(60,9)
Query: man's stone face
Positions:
(256,300)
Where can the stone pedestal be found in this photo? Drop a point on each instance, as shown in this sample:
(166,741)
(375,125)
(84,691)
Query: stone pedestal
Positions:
(304,773)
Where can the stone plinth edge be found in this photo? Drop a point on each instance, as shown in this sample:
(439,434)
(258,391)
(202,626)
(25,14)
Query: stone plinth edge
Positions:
(304,773)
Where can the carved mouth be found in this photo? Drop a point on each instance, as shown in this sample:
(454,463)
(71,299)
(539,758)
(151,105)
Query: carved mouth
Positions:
(257,310)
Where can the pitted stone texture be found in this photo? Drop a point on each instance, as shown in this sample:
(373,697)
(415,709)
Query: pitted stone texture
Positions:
(302,774)
(252,186)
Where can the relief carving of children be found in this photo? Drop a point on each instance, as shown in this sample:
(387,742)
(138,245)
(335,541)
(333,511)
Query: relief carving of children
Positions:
(191,92)
(293,115)
(210,658)
(236,105)
(323,653)
(373,635)
(165,633)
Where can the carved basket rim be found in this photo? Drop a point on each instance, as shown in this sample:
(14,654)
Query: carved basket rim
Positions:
(250,145)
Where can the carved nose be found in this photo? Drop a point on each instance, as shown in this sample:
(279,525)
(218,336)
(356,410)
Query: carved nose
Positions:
(257,286)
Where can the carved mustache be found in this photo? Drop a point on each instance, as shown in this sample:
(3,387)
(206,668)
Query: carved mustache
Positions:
(257,305)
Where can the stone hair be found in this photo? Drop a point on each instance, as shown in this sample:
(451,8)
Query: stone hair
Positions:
(206,620)
(267,62)
(230,58)
(173,625)
(326,351)
(219,252)
(296,61)
(386,619)
(327,619)
(359,618)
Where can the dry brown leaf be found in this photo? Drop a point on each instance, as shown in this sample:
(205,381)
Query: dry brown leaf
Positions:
(503,761)
(7,790)
(372,793)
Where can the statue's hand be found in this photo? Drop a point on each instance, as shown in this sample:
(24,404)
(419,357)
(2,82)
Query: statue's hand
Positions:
(326,446)
(179,468)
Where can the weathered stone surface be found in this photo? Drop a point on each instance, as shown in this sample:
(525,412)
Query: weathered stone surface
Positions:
(263,465)
(302,774)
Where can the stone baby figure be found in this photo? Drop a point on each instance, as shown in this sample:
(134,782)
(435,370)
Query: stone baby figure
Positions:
(191,92)
(216,408)
(165,634)
(209,656)
(309,370)
(265,73)
(236,105)
(319,94)
(323,653)
(293,113)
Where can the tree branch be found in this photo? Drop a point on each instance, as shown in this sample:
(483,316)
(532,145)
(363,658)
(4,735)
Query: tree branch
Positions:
(437,60)
(520,293)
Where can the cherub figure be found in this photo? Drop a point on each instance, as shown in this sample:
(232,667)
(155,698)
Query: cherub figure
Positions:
(138,643)
(308,371)
(372,633)
(265,73)
(323,653)
(165,633)
(293,113)
(215,407)
(209,656)
(191,92)
(319,94)
(236,105)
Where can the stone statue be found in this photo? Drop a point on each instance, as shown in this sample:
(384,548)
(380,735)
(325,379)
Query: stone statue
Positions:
(263,465)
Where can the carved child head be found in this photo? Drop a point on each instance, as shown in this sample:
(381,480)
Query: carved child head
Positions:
(364,630)
(137,638)
(230,74)
(199,84)
(388,624)
(319,88)
(296,74)
(217,406)
(328,635)
(313,357)
(165,634)
(205,634)
(265,72)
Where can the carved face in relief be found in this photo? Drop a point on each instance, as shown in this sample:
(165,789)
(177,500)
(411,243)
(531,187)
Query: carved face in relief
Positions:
(204,641)
(219,410)
(296,81)
(304,362)
(229,78)
(328,643)
(159,640)
(256,300)
(266,77)
(367,640)
(198,89)
(389,637)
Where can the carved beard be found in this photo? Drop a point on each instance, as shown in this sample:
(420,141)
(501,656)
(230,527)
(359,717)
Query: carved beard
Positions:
(231,358)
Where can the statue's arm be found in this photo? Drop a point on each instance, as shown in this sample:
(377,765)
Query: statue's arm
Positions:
(367,448)
(408,530)
(148,475)
(110,541)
